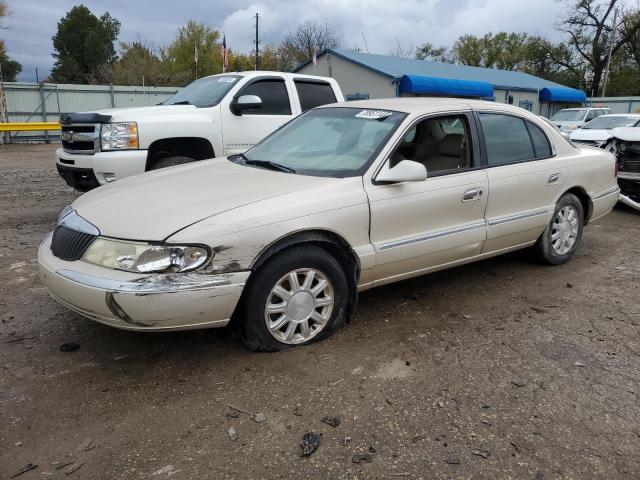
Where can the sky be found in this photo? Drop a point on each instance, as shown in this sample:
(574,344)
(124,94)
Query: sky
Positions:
(383,24)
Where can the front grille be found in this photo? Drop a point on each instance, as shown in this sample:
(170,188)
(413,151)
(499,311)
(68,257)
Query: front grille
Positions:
(68,244)
(629,165)
(79,138)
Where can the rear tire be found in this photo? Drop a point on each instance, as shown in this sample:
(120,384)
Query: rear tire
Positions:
(171,162)
(559,241)
(298,297)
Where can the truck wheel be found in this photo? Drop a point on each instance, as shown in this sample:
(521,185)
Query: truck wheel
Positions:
(559,241)
(298,297)
(171,162)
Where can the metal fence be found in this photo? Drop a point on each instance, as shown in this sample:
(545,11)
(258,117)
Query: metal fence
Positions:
(617,104)
(45,102)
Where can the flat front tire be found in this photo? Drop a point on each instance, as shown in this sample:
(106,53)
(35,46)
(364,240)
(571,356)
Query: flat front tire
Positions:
(171,162)
(298,297)
(559,241)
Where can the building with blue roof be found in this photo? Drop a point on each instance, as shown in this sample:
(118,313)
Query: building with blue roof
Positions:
(365,75)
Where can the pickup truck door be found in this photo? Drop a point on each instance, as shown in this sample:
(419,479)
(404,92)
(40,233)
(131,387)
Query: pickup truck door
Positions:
(525,179)
(241,131)
(421,226)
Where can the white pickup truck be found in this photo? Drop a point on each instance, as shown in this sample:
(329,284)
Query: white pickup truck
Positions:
(214,116)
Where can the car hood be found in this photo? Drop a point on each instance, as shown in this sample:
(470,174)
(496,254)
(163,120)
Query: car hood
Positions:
(627,134)
(590,134)
(571,124)
(152,206)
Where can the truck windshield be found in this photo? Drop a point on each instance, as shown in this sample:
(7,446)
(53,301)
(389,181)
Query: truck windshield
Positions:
(569,116)
(206,92)
(327,142)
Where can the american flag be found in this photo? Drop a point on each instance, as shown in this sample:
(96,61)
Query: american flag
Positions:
(224,51)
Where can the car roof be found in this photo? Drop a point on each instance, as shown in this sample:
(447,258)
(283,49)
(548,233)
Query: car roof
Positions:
(627,115)
(416,105)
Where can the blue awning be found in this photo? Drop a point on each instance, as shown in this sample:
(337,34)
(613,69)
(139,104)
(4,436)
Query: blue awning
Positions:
(562,95)
(445,86)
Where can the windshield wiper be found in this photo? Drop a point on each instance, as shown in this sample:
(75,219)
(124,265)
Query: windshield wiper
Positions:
(181,102)
(263,164)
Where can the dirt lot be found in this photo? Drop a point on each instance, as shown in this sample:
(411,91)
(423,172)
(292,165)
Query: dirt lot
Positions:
(501,369)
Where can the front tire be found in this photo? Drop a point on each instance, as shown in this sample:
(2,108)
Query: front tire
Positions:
(171,162)
(559,241)
(297,298)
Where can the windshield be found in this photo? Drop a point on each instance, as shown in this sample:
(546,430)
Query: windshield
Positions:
(328,142)
(569,116)
(606,122)
(205,92)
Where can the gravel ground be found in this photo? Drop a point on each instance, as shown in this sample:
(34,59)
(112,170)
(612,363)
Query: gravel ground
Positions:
(500,369)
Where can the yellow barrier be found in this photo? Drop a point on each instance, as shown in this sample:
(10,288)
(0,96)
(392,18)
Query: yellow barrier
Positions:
(28,126)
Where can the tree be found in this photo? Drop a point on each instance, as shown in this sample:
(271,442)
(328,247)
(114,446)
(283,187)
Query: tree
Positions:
(9,68)
(179,57)
(83,46)
(298,46)
(427,51)
(138,64)
(588,28)
(503,50)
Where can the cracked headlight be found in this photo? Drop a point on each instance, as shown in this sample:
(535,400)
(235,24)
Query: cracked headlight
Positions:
(144,257)
(119,136)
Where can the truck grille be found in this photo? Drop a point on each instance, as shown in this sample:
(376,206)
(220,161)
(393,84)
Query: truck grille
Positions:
(68,244)
(629,159)
(80,138)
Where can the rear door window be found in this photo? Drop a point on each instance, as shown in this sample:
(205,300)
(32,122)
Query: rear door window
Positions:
(506,138)
(314,94)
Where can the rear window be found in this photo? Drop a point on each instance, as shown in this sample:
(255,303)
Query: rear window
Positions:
(506,138)
(314,94)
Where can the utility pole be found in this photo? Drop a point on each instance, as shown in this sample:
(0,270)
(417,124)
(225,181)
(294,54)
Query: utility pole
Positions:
(611,41)
(257,48)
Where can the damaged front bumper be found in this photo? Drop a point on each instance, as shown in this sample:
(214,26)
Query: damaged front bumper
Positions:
(131,301)
(629,189)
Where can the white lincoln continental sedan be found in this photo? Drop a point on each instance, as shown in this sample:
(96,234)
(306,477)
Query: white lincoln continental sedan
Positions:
(280,240)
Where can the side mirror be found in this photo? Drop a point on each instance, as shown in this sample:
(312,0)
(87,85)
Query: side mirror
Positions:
(565,135)
(404,171)
(245,102)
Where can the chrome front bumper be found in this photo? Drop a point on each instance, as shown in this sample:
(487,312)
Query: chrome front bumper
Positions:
(141,302)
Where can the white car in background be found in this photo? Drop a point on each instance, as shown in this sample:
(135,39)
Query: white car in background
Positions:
(568,119)
(598,131)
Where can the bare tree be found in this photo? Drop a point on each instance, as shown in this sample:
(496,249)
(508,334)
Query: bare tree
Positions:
(589,28)
(298,46)
(428,51)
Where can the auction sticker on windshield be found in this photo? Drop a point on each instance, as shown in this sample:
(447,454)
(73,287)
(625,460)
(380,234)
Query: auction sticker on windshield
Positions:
(374,114)
(227,79)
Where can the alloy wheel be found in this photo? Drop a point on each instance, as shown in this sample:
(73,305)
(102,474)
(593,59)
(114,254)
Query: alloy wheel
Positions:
(299,306)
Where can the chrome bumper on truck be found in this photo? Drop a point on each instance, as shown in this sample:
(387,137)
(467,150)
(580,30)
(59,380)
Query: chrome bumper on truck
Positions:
(97,168)
(131,301)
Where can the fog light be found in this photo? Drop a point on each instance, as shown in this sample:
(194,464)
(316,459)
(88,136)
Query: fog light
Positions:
(109,177)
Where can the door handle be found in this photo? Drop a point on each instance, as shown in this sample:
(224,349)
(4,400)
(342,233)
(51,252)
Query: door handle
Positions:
(554,178)
(471,194)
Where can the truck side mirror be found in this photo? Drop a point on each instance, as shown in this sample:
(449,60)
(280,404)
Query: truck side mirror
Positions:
(245,102)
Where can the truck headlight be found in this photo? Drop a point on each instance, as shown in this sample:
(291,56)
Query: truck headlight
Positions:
(144,257)
(119,136)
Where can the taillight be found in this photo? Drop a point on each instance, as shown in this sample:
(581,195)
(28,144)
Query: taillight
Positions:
(616,167)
